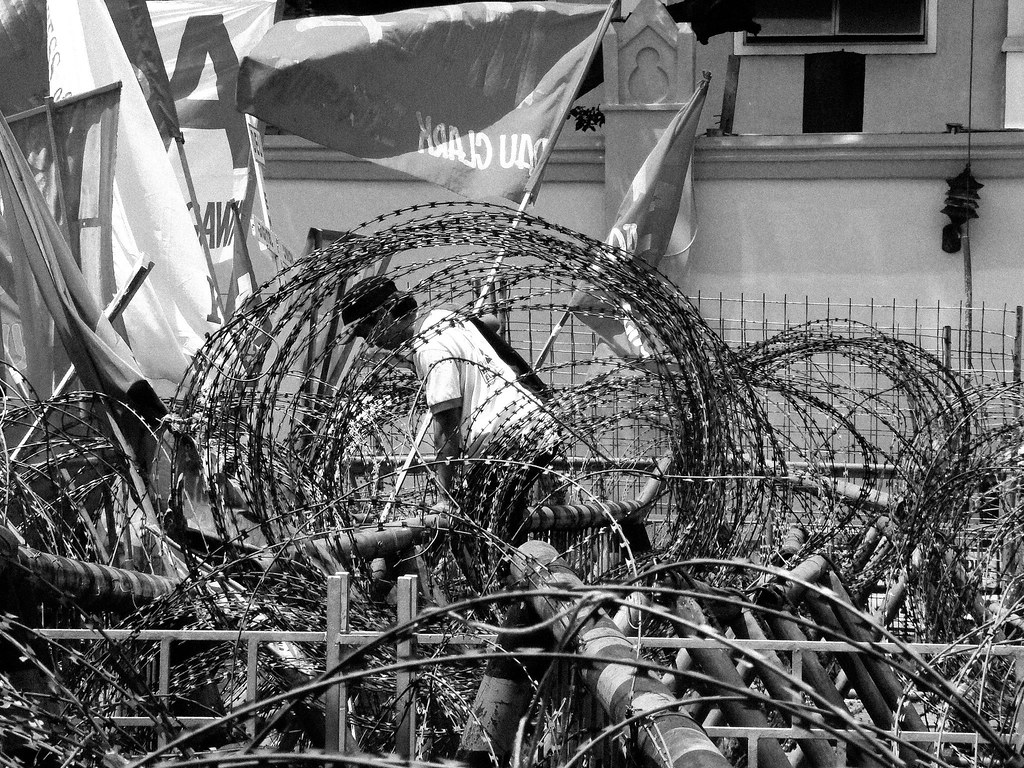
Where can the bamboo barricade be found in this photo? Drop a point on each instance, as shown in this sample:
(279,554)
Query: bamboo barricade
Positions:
(89,584)
(384,539)
(716,664)
(768,666)
(875,684)
(666,737)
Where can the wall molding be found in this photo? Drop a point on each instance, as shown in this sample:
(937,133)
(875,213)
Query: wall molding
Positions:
(994,154)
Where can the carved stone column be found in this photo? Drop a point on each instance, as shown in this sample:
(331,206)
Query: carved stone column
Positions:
(1013,47)
(648,76)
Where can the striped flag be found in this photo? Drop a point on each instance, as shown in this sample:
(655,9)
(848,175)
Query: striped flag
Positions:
(654,222)
(465,96)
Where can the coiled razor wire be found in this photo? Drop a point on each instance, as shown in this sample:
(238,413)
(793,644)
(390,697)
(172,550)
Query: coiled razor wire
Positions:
(285,394)
(290,439)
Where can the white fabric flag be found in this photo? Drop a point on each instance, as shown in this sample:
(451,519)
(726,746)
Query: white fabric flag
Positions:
(168,318)
(202,43)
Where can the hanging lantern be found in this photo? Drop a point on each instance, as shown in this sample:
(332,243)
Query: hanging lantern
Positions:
(961,205)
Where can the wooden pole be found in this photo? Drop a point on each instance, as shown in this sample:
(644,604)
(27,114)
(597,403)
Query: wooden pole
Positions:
(405,680)
(336,698)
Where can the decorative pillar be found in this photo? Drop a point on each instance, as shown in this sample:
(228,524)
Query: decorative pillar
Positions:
(648,76)
(1013,47)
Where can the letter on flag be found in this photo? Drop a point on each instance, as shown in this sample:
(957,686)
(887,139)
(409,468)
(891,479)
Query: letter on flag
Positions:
(654,221)
(169,317)
(465,96)
(135,30)
(201,42)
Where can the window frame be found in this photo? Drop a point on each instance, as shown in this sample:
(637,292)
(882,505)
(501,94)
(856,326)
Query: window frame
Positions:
(797,47)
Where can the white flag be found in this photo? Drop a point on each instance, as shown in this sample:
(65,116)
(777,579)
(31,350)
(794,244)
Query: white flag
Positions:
(202,43)
(168,318)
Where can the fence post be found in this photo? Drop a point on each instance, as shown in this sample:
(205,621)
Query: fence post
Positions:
(164,684)
(336,698)
(405,680)
(947,347)
(1017,333)
(251,678)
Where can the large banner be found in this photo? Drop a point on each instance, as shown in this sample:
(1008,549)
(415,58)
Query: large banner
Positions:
(202,42)
(466,96)
(168,319)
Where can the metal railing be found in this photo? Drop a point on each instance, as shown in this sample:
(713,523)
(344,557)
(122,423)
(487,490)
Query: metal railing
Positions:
(338,637)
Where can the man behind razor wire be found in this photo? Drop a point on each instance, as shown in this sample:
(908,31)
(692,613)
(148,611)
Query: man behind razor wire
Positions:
(493,436)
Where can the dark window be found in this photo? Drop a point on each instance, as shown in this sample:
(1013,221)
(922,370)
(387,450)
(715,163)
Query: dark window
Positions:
(833,92)
(826,21)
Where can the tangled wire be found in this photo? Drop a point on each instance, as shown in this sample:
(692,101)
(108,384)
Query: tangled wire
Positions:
(699,490)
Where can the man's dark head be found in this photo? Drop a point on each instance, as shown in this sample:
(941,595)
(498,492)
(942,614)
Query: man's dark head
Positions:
(369,300)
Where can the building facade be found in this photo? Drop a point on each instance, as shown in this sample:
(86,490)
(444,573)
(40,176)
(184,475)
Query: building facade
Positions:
(796,198)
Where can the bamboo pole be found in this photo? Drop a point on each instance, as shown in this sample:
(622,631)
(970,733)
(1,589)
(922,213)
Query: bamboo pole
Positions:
(767,665)
(89,584)
(885,679)
(505,692)
(666,737)
(716,664)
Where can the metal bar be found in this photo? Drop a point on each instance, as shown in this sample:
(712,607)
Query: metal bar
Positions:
(251,678)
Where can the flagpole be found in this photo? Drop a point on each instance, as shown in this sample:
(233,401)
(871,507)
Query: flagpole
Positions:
(534,180)
(200,230)
(528,195)
(606,20)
